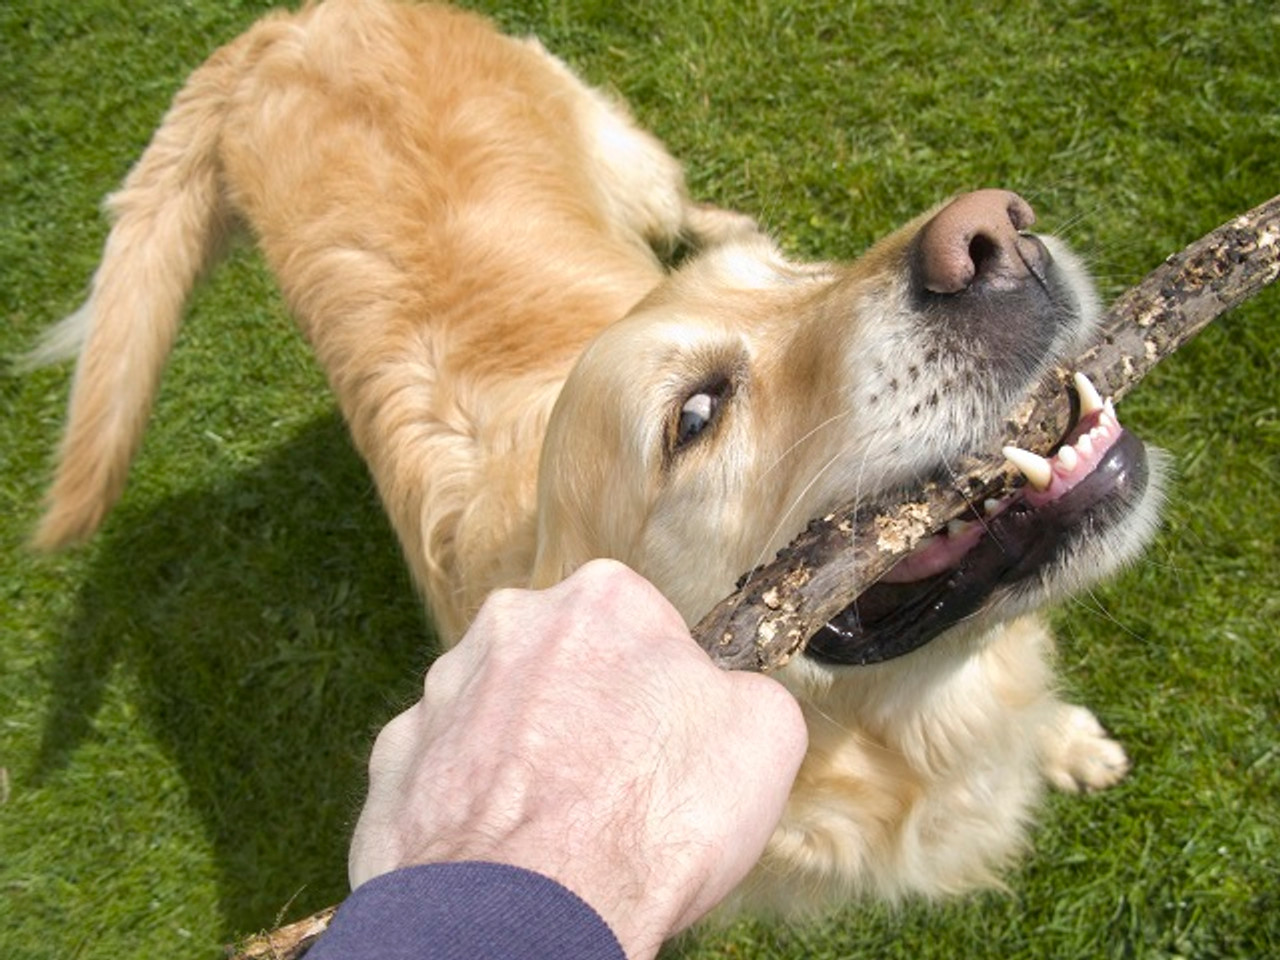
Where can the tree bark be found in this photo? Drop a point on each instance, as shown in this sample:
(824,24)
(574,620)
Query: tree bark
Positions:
(775,610)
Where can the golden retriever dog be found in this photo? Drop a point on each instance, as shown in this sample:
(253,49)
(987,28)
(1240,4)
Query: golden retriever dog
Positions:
(547,353)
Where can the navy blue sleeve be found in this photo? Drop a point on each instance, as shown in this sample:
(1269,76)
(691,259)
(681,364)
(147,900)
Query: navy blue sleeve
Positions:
(464,911)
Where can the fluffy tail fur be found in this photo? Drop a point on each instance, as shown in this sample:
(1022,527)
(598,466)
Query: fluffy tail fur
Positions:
(170,222)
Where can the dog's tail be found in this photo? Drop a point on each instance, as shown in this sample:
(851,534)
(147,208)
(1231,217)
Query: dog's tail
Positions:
(171,221)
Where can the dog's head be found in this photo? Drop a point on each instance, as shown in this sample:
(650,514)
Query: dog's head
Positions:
(747,394)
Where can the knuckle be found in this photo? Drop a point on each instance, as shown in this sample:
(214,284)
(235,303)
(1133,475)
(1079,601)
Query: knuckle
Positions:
(500,602)
(605,574)
(391,743)
(775,708)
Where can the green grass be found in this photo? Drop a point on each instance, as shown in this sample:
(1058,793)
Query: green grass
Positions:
(186,703)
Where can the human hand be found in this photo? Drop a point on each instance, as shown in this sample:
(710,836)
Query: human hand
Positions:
(580,732)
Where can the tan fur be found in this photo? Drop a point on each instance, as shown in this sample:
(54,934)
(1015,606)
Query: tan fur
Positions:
(472,241)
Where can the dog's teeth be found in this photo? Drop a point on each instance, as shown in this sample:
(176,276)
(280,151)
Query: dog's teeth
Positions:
(1085,445)
(1090,398)
(1068,458)
(1107,418)
(1037,470)
(957,528)
(989,507)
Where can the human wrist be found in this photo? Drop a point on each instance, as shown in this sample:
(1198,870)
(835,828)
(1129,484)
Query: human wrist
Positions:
(607,866)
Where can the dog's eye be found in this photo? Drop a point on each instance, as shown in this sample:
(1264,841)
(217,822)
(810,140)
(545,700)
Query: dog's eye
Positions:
(694,416)
(697,413)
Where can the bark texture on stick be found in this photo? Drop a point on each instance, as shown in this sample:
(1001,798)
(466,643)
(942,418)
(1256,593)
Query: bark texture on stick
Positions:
(288,942)
(778,607)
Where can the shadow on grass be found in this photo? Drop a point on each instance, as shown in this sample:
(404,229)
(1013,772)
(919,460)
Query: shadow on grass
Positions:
(269,628)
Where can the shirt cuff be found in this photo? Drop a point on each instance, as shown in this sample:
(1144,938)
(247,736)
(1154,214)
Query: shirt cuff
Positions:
(461,911)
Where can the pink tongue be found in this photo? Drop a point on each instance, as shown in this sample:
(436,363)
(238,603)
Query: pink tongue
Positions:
(936,554)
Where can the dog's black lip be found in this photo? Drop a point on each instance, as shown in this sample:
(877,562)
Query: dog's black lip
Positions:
(889,620)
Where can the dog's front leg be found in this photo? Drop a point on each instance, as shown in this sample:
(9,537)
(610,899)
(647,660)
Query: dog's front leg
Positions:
(1078,754)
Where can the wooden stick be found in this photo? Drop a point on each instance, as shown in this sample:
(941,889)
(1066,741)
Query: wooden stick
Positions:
(288,942)
(778,607)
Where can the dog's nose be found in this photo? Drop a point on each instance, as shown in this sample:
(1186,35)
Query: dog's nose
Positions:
(977,241)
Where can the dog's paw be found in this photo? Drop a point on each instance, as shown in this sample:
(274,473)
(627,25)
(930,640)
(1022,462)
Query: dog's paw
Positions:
(1079,755)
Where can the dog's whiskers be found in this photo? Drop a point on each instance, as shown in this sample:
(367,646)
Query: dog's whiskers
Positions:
(975,509)
(1098,608)
(855,497)
(762,556)
(835,418)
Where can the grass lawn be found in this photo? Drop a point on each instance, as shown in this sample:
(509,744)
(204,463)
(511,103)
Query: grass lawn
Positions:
(186,703)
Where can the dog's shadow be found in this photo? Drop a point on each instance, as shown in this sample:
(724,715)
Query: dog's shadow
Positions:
(263,629)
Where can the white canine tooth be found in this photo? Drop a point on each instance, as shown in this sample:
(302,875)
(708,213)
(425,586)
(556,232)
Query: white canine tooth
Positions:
(990,506)
(1109,409)
(1035,468)
(1090,398)
(957,527)
(1084,445)
(1068,458)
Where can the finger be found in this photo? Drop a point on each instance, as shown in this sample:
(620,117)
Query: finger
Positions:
(397,744)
